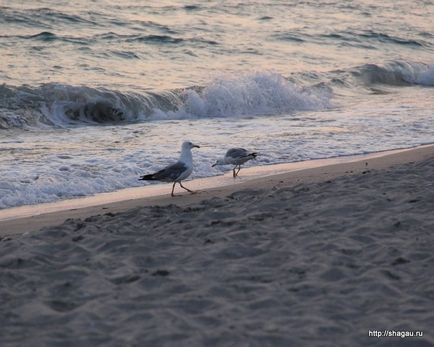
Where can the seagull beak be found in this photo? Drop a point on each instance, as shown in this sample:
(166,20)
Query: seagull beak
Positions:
(196,146)
(213,165)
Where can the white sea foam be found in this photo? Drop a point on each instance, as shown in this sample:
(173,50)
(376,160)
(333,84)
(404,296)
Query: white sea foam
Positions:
(253,94)
(259,93)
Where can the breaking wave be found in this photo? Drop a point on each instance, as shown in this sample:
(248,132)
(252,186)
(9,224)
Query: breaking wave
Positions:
(64,105)
(256,94)
(396,73)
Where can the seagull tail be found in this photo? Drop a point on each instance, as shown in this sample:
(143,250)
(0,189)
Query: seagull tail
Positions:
(150,177)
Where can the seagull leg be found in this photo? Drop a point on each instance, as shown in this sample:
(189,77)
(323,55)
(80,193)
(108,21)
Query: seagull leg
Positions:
(192,192)
(239,168)
(173,188)
(233,172)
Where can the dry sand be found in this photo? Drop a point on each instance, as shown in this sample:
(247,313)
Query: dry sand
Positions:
(319,263)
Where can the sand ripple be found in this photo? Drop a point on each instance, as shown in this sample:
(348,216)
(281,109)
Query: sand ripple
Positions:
(310,265)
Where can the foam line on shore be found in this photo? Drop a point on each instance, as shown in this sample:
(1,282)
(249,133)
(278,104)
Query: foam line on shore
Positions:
(34,217)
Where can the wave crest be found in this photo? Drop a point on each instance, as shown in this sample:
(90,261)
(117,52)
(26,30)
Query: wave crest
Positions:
(64,105)
(397,73)
(254,94)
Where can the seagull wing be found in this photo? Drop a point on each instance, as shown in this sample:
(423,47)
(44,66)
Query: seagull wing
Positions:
(171,172)
(237,153)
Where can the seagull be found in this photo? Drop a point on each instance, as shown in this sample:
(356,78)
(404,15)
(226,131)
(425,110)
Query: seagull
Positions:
(237,157)
(176,172)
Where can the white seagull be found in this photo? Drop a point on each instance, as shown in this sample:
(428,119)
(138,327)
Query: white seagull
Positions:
(176,172)
(237,157)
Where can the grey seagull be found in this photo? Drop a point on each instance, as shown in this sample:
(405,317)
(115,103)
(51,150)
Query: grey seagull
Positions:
(178,171)
(237,157)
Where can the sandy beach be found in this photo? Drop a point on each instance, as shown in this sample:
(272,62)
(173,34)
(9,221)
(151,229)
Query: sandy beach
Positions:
(318,257)
(326,237)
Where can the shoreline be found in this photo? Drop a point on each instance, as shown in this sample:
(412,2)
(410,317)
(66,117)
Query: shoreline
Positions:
(30,218)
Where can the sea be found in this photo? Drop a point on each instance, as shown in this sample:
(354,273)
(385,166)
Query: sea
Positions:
(94,94)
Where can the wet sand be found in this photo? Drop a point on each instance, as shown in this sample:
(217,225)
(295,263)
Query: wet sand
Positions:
(311,258)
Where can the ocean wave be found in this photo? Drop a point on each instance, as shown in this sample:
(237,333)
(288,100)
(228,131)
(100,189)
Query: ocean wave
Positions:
(156,39)
(64,105)
(41,17)
(262,93)
(357,38)
(396,73)
(253,94)
(152,39)
(364,35)
(47,37)
(385,38)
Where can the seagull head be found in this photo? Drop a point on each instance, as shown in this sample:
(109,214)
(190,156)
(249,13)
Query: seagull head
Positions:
(189,145)
(219,162)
